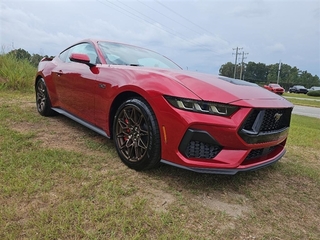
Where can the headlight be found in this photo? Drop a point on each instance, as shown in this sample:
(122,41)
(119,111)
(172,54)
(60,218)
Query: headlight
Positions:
(202,106)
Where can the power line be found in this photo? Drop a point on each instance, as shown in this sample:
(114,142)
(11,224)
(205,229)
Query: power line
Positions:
(198,26)
(137,17)
(169,17)
(122,10)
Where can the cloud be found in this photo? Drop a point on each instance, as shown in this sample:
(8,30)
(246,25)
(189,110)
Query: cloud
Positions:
(268,30)
(251,9)
(276,47)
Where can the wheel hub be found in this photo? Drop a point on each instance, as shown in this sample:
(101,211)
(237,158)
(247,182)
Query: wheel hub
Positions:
(132,139)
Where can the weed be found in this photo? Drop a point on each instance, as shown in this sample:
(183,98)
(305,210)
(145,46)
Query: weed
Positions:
(16,74)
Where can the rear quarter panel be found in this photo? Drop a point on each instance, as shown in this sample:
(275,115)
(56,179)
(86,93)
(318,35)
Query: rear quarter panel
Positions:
(45,68)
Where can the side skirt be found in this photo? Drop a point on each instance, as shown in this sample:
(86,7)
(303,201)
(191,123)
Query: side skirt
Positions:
(84,123)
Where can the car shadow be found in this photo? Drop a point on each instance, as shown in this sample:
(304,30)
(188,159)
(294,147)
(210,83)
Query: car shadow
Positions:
(178,177)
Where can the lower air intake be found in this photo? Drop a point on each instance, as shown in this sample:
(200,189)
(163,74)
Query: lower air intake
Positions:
(256,153)
(197,149)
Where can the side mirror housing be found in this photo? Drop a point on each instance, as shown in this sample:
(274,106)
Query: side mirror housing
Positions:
(81,58)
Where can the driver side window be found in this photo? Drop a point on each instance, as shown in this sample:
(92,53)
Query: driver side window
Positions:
(84,48)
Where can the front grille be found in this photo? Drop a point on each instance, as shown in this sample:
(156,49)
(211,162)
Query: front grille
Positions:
(276,119)
(197,149)
(265,125)
(265,120)
(250,120)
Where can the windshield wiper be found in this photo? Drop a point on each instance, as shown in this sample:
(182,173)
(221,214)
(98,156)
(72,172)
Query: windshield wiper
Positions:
(135,64)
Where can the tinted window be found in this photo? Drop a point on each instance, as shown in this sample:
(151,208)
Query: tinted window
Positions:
(122,54)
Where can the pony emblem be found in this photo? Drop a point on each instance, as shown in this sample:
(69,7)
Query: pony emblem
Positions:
(277,117)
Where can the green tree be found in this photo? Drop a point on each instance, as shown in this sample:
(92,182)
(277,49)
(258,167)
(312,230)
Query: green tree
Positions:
(35,59)
(20,54)
(256,72)
(315,81)
(293,76)
(308,80)
(227,70)
(285,72)
(260,72)
(272,73)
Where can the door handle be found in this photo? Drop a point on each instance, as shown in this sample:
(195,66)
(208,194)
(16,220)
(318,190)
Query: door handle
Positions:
(59,73)
(102,85)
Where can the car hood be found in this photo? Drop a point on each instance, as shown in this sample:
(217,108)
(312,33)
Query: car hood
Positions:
(226,90)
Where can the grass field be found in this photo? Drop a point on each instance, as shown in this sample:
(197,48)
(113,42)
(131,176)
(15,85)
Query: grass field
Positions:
(60,180)
(302,99)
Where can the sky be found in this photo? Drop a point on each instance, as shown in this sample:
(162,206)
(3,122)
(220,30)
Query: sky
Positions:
(199,35)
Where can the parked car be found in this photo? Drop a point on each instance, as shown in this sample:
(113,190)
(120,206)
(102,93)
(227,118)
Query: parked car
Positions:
(156,112)
(314,88)
(276,88)
(298,89)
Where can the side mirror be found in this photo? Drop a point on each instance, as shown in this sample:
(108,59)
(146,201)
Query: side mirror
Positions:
(81,58)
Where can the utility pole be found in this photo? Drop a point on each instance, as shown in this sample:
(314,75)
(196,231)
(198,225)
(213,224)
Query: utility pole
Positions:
(279,72)
(235,62)
(240,77)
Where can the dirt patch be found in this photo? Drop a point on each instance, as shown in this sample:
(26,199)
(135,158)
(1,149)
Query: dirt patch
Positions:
(215,202)
(160,200)
(2,80)
(55,133)
(157,199)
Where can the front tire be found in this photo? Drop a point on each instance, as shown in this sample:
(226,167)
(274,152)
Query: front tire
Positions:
(42,99)
(136,135)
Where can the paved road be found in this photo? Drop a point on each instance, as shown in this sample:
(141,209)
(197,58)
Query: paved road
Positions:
(306,111)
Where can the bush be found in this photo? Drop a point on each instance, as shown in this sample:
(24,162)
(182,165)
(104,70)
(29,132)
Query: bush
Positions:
(314,93)
(16,74)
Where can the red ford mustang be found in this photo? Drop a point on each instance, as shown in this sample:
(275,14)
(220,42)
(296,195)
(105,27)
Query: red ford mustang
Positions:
(276,88)
(156,112)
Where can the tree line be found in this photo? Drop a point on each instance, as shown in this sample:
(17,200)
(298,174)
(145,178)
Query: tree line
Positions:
(261,73)
(21,54)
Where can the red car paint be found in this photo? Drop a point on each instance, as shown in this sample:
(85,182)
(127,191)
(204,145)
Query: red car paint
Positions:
(92,92)
(276,88)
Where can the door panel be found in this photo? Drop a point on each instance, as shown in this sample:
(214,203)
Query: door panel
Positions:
(75,86)
(76,82)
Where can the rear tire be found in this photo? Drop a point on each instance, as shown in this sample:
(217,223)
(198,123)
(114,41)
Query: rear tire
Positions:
(42,99)
(136,135)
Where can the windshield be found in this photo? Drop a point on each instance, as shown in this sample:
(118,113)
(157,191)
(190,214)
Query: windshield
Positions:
(121,54)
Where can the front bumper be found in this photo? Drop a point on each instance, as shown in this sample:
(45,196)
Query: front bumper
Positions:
(205,155)
(251,139)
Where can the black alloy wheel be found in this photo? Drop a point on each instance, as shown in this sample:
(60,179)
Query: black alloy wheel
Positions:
(136,135)
(42,99)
